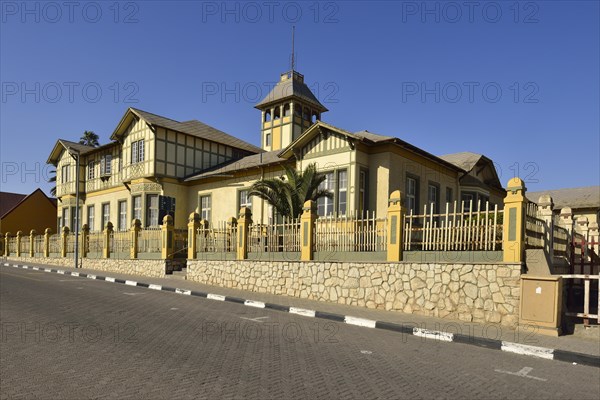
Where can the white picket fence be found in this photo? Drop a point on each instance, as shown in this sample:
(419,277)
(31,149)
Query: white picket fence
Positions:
(221,238)
(278,237)
(350,233)
(458,228)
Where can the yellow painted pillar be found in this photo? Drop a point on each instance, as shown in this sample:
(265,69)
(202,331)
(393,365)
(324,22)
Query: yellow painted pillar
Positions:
(513,244)
(108,230)
(395,222)
(243,229)
(167,238)
(63,241)
(232,223)
(32,234)
(307,230)
(134,232)
(6,244)
(47,234)
(19,234)
(193,227)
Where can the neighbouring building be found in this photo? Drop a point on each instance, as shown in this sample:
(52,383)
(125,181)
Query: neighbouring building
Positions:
(583,201)
(20,212)
(155,165)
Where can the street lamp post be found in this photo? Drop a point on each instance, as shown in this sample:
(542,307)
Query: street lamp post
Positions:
(76,155)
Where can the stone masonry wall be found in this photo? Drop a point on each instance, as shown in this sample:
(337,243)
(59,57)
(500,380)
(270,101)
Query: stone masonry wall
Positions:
(150,268)
(469,292)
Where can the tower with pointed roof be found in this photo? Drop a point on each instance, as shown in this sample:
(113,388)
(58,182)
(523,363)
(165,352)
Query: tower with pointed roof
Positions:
(287,111)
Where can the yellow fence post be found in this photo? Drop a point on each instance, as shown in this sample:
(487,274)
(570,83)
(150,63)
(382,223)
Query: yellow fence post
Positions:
(106,240)
(84,240)
(167,238)
(47,234)
(307,230)
(243,229)
(136,227)
(513,244)
(6,244)
(395,219)
(32,234)
(63,241)
(19,234)
(193,227)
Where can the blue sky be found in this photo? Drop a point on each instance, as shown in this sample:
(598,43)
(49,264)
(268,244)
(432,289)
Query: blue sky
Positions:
(516,81)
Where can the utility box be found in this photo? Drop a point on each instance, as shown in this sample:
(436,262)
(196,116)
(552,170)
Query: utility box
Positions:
(541,303)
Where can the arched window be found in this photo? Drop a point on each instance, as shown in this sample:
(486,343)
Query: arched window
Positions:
(298,110)
(277,113)
(314,117)
(286,110)
(267,116)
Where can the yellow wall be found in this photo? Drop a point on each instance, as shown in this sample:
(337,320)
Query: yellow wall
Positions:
(224,195)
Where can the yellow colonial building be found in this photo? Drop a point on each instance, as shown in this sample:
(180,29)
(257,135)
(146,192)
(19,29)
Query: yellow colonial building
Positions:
(156,166)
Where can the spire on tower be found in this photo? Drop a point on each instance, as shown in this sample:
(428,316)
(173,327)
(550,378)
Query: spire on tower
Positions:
(293,62)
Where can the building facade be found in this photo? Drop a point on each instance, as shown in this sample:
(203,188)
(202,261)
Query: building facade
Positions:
(155,165)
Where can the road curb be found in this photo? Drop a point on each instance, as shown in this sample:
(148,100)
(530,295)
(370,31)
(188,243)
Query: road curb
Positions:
(493,344)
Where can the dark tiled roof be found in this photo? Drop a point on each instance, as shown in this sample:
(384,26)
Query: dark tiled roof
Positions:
(291,87)
(581,197)
(373,137)
(465,160)
(81,148)
(8,201)
(253,161)
(198,129)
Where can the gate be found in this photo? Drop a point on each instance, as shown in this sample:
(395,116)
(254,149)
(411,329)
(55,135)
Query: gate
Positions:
(583,283)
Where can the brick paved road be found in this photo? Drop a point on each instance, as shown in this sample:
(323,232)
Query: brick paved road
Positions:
(72,338)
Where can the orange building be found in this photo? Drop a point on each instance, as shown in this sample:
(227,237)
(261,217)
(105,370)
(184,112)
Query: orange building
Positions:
(19,212)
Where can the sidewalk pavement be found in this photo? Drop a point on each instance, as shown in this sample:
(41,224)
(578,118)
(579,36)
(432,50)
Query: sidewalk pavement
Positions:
(583,342)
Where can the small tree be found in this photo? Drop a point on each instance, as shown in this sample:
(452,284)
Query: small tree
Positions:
(89,138)
(288,193)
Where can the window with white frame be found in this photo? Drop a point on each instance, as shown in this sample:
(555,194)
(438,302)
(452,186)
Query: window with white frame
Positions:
(342,192)
(152,210)
(91,170)
(433,197)
(90,218)
(137,207)
(64,176)
(137,151)
(244,200)
(205,207)
(412,194)
(468,198)
(106,165)
(75,218)
(122,225)
(325,204)
(105,214)
(65,217)
(363,194)
(449,195)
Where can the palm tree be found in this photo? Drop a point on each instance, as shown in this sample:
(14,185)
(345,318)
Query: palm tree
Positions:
(89,138)
(288,193)
(52,180)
